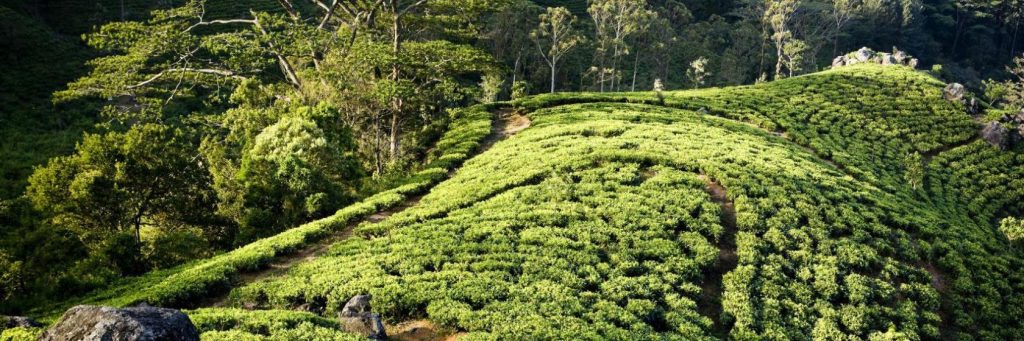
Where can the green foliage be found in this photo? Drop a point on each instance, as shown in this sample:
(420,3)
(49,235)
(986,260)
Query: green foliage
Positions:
(182,285)
(294,170)
(236,324)
(1013,228)
(116,182)
(20,334)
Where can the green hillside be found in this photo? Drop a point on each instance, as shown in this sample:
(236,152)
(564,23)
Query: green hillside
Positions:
(785,210)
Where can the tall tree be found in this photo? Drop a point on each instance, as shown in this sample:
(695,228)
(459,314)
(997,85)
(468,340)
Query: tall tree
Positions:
(614,21)
(842,12)
(119,182)
(778,14)
(555,37)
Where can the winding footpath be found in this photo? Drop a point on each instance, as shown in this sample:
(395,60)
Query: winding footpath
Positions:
(505,122)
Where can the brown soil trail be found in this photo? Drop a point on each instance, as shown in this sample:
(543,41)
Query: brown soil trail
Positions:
(710,302)
(280,265)
(507,122)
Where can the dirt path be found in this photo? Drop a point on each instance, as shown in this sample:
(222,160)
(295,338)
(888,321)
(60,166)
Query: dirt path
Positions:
(506,122)
(710,302)
(280,265)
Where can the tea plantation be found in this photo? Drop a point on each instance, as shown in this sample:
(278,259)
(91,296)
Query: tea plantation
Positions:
(850,204)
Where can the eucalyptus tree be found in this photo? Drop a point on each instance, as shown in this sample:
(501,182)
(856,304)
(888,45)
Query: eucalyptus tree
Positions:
(555,36)
(614,21)
(842,12)
(778,15)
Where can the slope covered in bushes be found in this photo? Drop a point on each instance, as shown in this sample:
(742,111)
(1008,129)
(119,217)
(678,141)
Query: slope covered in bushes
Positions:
(852,203)
(599,222)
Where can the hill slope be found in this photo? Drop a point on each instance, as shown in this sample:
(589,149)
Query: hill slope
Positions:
(784,210)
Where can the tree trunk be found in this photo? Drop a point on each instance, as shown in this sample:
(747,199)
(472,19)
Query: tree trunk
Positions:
(778,62)
(377,154)
(396,102)
(1013,42)
(553,77)
(515,68)
(395,132)
(636,64)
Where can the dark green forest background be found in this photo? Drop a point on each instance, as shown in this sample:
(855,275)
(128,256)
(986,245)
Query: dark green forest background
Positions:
(131,171)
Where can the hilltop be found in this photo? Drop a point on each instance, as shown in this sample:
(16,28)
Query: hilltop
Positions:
(784,210)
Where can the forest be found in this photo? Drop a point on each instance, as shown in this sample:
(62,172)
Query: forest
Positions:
(519,169)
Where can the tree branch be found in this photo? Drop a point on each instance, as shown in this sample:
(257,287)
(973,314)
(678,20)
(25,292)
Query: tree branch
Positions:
(224,73)
(215,22)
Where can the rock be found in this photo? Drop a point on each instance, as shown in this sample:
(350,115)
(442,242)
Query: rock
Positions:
(357,317)
(839,61)
(973,108)
(357,305)
(995,134)
(954,92)
(143,323)
(864,54)
(7,322)
(912,63)
(368,325)
(887,59)
(899,56)
(1019,118)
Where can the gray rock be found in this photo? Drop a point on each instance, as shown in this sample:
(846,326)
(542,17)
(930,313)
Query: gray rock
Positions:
(839,61)
(17,322)
(899,56)
(887,59)
(356,305)
(864,54)
(912,63)
(954,92)
(973,107)
(142,323)
(357,317)
(995,134)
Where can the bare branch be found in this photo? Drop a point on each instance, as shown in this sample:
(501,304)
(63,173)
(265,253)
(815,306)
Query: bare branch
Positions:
(215,22)
(287,5)
(218,72)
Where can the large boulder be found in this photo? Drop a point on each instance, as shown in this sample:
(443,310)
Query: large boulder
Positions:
(864,54)
(141,323)
(912,63)
(995,134)
(867,55)
(357,317)
(839,61)
(7,322)
(887,59)
(954,92)
(900,56)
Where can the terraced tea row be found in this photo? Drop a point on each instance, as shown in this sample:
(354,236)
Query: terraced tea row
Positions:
(595,223)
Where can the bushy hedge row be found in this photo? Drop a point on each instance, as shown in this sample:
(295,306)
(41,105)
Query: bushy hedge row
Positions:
(975,186)
(864,118)
(594,223)
(237,325)
(185,285)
